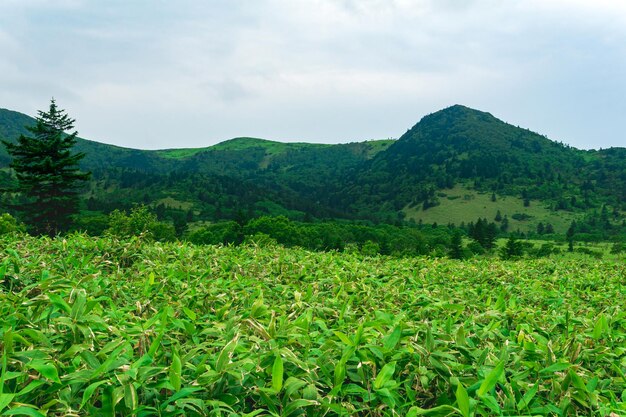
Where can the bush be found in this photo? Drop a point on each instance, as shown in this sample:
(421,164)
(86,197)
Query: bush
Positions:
(140,222)
(618,247)
(224,233)
(8,224)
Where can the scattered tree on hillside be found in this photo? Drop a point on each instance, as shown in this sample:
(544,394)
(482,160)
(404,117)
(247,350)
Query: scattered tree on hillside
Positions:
(47,172)
(456,245)
(512,249)
(570,236)
(483,232)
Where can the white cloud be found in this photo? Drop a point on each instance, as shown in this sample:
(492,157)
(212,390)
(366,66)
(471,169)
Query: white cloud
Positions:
(312,69)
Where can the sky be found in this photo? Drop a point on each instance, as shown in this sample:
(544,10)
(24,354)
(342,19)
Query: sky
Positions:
(156,74)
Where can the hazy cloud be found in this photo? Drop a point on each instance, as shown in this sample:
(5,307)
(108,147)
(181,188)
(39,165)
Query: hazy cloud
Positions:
(156,74)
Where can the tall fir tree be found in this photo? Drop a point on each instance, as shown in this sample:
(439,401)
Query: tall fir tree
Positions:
(47,172)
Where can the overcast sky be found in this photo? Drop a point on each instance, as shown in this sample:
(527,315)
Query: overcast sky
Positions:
(189,73)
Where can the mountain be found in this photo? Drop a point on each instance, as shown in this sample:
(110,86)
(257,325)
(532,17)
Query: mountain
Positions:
(453,166)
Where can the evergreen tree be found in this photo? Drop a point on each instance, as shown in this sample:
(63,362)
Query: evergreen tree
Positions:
(540,228)
(456,245)
(512,249)
(47,172)
(569,236)
(505,224)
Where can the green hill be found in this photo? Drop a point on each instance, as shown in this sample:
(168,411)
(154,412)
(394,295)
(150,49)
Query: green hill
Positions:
(424,176)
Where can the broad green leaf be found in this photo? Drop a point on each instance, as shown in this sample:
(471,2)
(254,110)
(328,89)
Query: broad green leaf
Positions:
(59,302)
(462,400)
(190,313)
(491,379)
(175,371)
(48,370)
(393,338)
(601,327)
(344,338)
(384,375)
(292,385)
(277,373)
(524,403)
(298,405)
(89,391)
(225,355)
(79,305)
(23,411)
(130,396)
(5,399)
(184,392)
(555,367)
(440,411)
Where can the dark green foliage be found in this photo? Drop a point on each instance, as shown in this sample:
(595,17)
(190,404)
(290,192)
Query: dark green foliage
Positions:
(456,245)
(512,249)
(376,181)
(47,172)
(139,222)
(224,233)
(8,224)
(483,232)
(618,247)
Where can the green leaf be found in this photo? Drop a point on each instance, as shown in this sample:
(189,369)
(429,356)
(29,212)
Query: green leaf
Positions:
(277,373)
(491,379)
(79,305)
(527,398)
(600,327)
(384,375)
(32,386)
(225,355)
(89,392)
(59,302)
(440,411)
(48,370)
(23,411)
(130,396)
(292,385)
(344,338)
(393,338)
(175,371)
(462,400)
(190,313)
(555,367)
(184,392)
(5,399)
(298,405)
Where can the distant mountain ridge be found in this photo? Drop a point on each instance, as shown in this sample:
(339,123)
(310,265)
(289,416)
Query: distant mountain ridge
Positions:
(455,148)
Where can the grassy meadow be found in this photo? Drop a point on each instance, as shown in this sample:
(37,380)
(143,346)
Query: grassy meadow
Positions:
(104,327)
(461,203)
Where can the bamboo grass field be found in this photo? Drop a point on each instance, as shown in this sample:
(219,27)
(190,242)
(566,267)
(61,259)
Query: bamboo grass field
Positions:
(104,327)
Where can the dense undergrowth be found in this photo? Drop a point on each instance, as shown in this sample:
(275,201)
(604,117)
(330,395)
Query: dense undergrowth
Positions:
(101,326)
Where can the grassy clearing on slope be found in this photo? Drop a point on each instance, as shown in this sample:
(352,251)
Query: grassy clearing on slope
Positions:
(107,327)
(461,204)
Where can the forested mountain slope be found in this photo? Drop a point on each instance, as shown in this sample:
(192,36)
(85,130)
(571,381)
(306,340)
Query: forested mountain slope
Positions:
(457,148)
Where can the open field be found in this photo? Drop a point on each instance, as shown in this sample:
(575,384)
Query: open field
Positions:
(461,203)
(98,326)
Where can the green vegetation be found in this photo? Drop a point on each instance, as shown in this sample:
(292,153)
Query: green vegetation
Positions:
(101,326)
(449,168)
(46,168)
(461,203)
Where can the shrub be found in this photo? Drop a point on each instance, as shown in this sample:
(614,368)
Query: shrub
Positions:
(140,222)
(219,233)
(8,224)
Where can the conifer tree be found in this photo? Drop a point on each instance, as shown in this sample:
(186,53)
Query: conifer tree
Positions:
(47,172)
